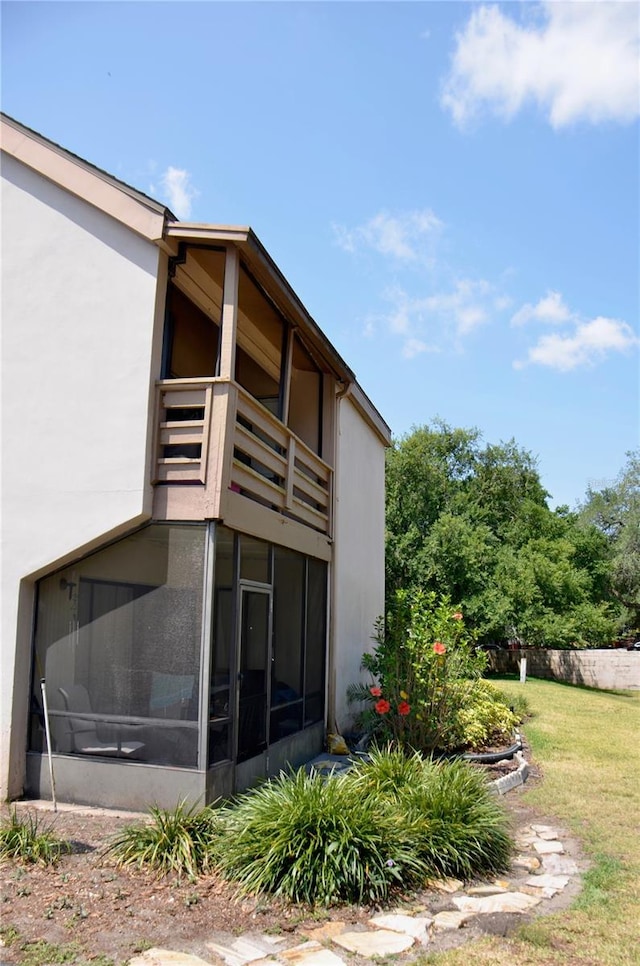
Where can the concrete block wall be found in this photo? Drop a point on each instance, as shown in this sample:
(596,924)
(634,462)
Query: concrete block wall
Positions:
(609,669)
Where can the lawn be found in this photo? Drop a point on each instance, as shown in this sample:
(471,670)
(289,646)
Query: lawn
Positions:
(585,743)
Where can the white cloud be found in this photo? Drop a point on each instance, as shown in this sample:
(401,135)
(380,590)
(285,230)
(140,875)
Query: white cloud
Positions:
(589,343)
(578,61)
(178,191)
(464,308)
(502,302)
(427,323)
(415,347)
(551,309)
(400,236)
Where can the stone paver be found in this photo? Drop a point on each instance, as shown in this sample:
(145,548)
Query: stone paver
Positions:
(447,885)
(559,865)
(326,931)
(166,957)
(245,949)
(544,847)
(539,892)
(547,881)
(451,919)
(415,926)
(380,942)
(397,931)
(487,890)
(509,902)
(528,862)
(309,954)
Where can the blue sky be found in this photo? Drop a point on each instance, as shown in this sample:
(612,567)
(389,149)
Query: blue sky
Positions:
(451,188)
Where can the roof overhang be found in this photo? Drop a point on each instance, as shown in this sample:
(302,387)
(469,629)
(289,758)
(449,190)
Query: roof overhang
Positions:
(266,272)
(155,222)
(137,211)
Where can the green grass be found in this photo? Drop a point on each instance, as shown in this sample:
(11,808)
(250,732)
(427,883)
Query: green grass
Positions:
(39,952)
(27,839)
(585,743)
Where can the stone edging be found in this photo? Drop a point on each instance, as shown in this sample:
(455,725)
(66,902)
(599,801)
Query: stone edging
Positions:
(502,785)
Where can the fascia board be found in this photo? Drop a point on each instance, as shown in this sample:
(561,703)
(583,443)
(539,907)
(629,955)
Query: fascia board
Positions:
(266,270)
(192,231)
(97,188)
(369,413)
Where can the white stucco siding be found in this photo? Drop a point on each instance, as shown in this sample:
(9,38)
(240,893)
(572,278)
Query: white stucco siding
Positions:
(78,358)
(358,585)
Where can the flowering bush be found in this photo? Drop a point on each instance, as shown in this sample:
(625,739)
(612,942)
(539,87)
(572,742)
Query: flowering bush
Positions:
(425,667)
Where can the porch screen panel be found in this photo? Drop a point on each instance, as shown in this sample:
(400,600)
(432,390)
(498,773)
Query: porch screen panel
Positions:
(288,643)
(316,637)
(118,642)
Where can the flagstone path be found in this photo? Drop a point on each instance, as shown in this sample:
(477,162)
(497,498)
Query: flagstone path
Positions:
(540,871)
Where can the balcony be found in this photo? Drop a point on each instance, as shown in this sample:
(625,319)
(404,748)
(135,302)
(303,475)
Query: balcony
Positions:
(217,445)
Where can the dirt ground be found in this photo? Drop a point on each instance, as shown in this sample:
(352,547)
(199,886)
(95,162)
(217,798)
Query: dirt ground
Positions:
(104,915)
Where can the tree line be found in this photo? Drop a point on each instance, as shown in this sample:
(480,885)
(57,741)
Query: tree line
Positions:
(471,521)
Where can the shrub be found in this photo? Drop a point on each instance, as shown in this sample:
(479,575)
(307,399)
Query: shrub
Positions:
(30,840)
(482,718)
(460,828)
(181,840)
(424,664)
(316,841)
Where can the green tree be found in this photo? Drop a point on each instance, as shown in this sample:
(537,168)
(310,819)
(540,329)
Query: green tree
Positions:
(614,511)
(472,522)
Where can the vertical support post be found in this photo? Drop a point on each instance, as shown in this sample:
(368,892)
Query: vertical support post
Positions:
(229,320)
(220,459)
(285,375)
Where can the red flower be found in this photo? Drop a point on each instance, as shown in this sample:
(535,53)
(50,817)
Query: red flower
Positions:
(457,616)
(375,691)
(404,708)
(439,647)
(382,706)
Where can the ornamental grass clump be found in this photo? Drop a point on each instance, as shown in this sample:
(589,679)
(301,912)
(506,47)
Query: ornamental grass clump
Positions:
(28,839)
(318,841)
(180,840)
(459,827)
(387,825)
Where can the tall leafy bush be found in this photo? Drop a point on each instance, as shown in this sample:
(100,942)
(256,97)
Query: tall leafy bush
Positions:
(424,667)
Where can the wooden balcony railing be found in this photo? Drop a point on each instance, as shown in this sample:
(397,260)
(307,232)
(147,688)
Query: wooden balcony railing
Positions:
(214,433)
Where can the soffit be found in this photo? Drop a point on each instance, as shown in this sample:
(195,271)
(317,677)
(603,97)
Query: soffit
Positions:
(265,271)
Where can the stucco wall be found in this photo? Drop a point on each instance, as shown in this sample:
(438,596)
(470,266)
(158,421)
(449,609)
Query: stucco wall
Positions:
(607,669)
(78,361)
(358,585)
